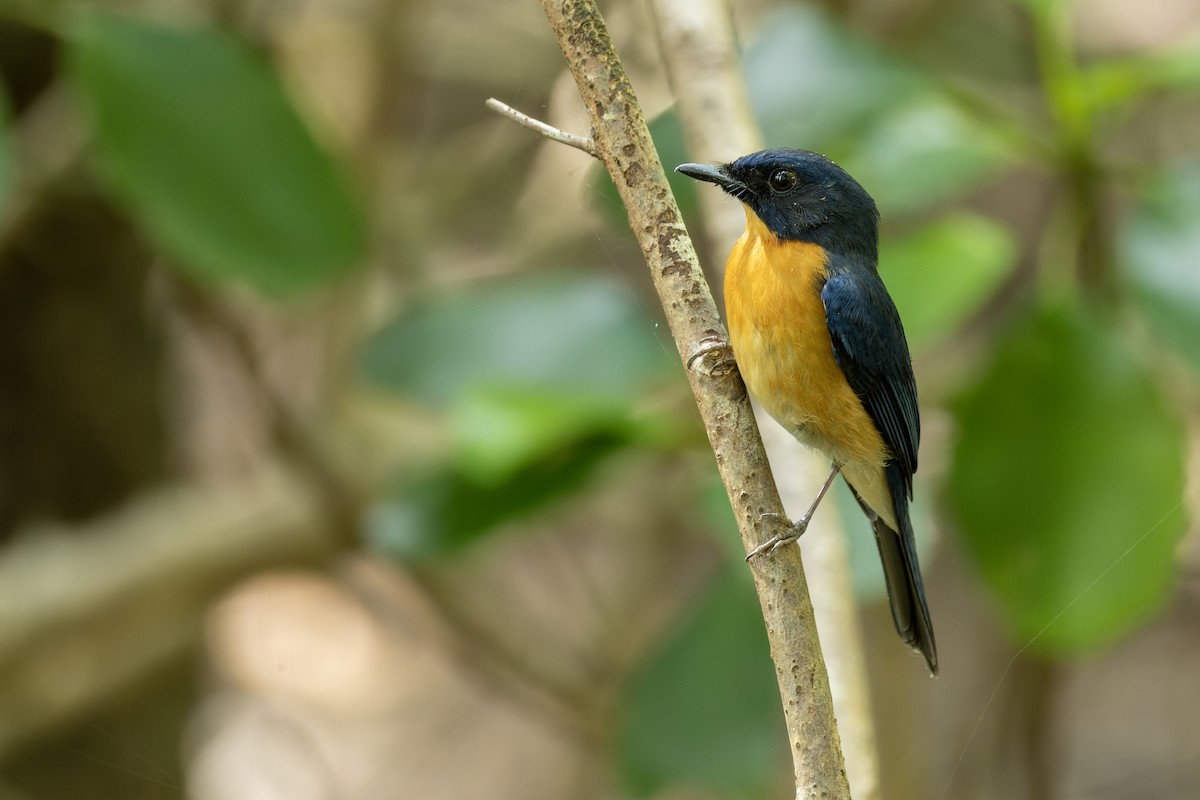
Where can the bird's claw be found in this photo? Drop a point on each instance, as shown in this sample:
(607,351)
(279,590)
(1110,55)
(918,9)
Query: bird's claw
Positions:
(791,533)
(722,364)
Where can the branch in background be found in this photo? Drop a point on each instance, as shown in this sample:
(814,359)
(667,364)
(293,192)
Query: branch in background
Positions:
(293,439)
(623,144)
(91,610)
(699,50)
(700,53)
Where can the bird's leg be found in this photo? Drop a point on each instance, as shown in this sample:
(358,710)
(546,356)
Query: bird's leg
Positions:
(720,365)
(794,532)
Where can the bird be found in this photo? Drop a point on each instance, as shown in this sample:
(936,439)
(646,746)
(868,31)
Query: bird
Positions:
(820,345)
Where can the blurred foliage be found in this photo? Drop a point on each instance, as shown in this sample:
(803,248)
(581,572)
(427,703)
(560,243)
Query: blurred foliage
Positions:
(195,135)
(1068,472)
(565,334)
(812,81)
(884,121)
(1160,248)
(446,510)
(1068,452)
(705,710)
(924,152)
(5,155)
(942,274)
(1111,84)
(539,379)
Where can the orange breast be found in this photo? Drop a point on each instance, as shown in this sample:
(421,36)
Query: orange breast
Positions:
(782,346)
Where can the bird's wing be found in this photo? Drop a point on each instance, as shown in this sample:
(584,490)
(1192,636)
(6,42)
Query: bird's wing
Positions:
(869,345)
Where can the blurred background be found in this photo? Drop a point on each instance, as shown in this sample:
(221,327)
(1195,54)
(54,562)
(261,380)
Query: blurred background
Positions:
(344,452)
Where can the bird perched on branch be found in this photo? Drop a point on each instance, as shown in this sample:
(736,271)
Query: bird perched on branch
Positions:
(819,343)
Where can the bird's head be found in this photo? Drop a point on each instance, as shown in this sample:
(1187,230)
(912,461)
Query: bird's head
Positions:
(799,196)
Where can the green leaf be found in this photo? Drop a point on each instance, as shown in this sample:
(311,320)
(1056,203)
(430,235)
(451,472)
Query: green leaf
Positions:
(1159,248)
(570,335)
(704,711)
(813,85)
(712,502)
(923,152)
(444,512)
(542,378)
(498,431)
(943,274)
(1113,83)
(1068,482)
(196,136)
(811,82)
(1045,9)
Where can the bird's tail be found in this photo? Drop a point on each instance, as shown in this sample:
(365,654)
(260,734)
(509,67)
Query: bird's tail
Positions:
(902,573)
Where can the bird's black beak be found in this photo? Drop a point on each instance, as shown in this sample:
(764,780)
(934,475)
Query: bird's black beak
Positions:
(712,173)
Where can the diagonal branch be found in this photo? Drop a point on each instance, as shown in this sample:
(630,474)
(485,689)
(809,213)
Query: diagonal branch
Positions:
(622,142)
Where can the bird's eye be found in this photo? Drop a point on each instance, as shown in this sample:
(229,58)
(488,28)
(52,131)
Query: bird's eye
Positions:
(782,179)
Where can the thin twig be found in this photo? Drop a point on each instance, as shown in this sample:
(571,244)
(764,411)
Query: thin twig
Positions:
(583,143)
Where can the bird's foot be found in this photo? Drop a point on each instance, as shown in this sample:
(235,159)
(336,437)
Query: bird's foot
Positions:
(791,532)
(716,354)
